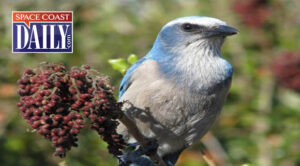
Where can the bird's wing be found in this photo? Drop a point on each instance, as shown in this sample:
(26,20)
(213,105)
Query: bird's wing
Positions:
(125,83)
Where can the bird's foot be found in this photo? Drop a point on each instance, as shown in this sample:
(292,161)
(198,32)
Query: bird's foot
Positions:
(151,148)
(136,152)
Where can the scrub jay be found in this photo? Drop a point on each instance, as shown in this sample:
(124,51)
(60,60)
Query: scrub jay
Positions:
(178,89)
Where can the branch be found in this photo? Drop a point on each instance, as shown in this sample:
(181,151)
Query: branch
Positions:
(215,150)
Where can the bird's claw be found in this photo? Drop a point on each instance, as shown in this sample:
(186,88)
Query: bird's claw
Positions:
(137,151)
(151,148)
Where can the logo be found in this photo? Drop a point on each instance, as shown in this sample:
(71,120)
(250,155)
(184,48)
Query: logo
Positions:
(42,31)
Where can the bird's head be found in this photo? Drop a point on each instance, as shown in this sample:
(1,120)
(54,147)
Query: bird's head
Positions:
(192,33)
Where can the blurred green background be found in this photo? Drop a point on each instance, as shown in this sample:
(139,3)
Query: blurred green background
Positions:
(260,123)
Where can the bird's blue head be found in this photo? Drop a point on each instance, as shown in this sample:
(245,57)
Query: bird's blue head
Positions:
(193,32)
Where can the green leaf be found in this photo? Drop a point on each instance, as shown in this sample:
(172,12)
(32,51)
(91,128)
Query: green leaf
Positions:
(119,64)
(132,58)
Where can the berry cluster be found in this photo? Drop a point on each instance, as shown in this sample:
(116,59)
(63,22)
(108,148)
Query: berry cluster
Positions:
(253,12)
(57,102)
(286,68)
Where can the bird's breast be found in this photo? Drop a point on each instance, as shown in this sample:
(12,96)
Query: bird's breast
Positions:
(202,74)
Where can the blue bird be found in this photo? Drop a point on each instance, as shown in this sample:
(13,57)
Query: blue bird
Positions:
(178,89)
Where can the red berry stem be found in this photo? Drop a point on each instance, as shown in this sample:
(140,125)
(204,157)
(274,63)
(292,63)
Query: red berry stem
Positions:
(55,101)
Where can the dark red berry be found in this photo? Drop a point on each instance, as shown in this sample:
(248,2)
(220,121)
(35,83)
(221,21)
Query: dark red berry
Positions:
(53,101)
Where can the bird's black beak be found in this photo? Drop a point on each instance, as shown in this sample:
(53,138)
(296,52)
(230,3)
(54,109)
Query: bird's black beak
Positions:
(221,30)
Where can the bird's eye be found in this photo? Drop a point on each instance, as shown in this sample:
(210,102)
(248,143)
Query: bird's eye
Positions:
(187,27)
